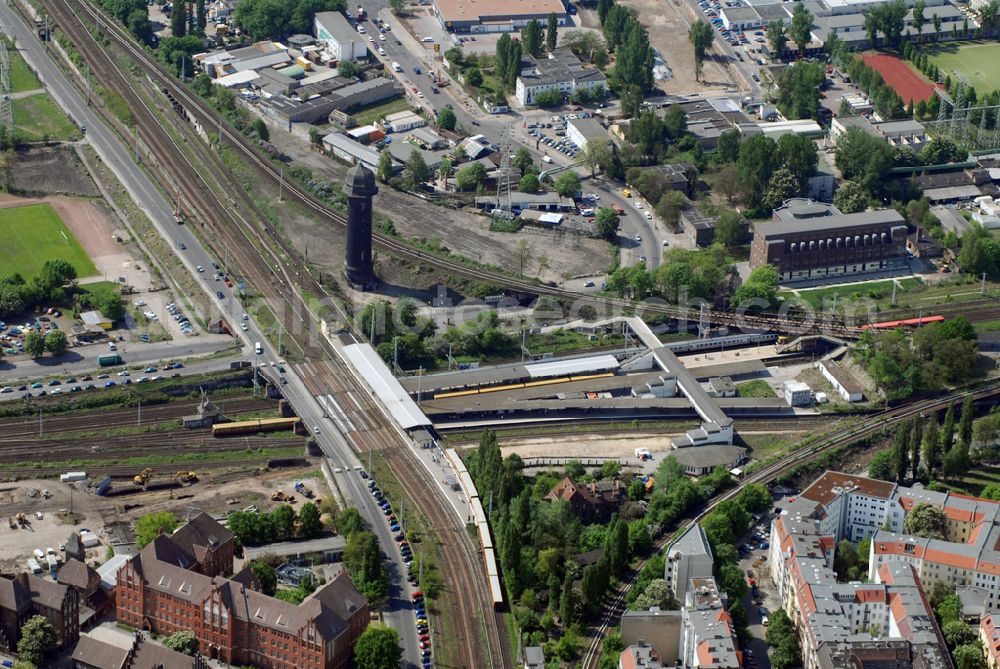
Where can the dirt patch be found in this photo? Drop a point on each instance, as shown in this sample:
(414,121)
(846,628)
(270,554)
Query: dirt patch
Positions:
(668,23)
(555,254)
(56,171)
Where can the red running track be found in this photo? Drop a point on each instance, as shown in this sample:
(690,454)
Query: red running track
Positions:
(897,73)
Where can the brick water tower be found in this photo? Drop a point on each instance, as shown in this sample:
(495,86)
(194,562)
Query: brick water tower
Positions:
(359,187)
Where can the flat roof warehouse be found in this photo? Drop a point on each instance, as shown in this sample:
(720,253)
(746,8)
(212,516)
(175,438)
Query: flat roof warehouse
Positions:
(465,11)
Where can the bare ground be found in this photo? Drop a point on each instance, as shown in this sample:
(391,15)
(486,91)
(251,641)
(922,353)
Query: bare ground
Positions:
(462,232)
(56,170)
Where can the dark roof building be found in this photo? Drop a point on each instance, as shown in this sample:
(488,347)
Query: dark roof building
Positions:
(590,500)
(166,589)
(808,240)
(26,595)
(208,543)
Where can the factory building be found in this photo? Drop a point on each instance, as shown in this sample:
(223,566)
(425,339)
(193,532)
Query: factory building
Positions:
(495,16)
(807,240)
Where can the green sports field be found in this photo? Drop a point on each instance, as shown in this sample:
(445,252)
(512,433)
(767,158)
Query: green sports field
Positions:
(34,233)
(978,62)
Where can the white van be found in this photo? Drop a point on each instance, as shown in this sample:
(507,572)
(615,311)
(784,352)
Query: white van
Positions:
(259,349)
(396,67)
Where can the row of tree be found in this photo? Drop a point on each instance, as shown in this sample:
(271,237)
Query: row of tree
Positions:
(962,639)
(280,524)
(628,39)
(770,172)
(276,19)
(683,275)
(924,450)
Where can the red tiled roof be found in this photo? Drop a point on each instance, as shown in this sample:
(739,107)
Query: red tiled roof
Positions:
(822,489)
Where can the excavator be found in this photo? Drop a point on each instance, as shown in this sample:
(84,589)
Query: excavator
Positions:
(143,477)
(280,496)
(186,477)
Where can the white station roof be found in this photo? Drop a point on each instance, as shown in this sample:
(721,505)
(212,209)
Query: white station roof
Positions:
(600,363)
(370,367)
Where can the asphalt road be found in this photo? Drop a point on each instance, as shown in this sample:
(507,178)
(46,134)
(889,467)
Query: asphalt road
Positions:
(118,157)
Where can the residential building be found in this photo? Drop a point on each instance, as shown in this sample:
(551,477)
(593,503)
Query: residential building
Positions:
(208,543)
(989,636)
(689,556)
(889,619)
(164,589)
(102,652)
(808,240)
(340,39)
(903,134)
(26,595)
(560,71)
(640,656)
(660,629)
(590,501)
(708,636)
(492,16)
(582,131)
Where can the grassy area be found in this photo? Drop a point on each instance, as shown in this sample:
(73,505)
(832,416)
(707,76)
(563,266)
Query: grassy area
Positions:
(755,388)
(818,298)
(973,482)
(32,234)
(978,62)
(38,117)
(377,112)
(21,76)
(987,326)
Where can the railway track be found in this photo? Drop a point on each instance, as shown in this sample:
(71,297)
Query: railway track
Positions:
(8,473)
(614,608)
(12,429)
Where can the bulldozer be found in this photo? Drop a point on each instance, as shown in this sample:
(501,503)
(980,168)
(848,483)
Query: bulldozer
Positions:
(280,496)
(142,478)
(21,519)
(186,477)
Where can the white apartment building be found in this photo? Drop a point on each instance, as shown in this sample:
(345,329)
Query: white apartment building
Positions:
(561,71)
(688,557)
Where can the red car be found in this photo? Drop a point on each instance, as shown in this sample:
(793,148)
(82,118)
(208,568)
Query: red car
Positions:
(425,637)
(424,645)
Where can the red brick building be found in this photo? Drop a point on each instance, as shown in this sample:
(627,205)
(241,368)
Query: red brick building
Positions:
(164,589)
(26,595)
(210,544)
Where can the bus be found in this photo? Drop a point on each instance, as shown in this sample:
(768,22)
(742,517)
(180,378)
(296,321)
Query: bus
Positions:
(109,360)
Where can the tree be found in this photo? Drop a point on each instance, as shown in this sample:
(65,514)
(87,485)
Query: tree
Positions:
(603,7)
(727,149)
(444,169)
(881,466)
(957,460)
(607,223)
(551,33)
(178,19)
(55,343)
(350,521)
(965,423)
(901,452)
(139,25)
(798,89)
(670,206)
(675,122)
(782,186)
(957,633)
(266,576)
(756,163)
(528,183)
(729,229)
(522,160)
(776,37)
(596,154)
(755,498)
(631,100)
(851,198)
(732,581)
(470,177)
(969,656)
(567,184)
(183,642)
(260,129)
(502,58)
(549,99)
(940,150)
(397,6)
(926,520)
(148,527)
(700,34)
(760,290)
(919,20)
(416,171)
(446,118)
(34,344)
(310,525)
(378,648)
(947,433)
(916,438)
(349,69)
(800,28)
(531,37)
(863,158)
(988,14)
(384,168)
(38,641)
(798,153)
(55,274)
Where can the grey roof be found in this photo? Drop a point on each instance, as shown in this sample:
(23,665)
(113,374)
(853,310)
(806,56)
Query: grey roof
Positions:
(693,541)
(590,128)
(337,25)
(825,223)
(711,455)
(773,12)
(95,653)
(741,14)
(951,220)
(534,657)
(350,147)
(561,65)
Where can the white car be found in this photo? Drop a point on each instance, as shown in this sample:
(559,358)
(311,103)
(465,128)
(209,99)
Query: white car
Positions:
(244,327)
(381,36)
(371,39)
(420,94)
(638,205)
(361,29)
(649,216)
(427,40)
(140,303)
(381,51)
(200,268)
